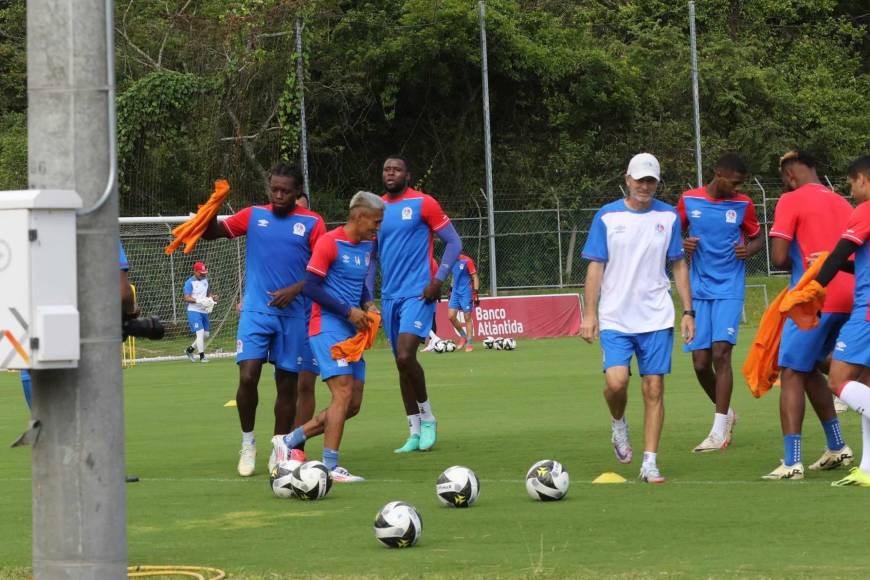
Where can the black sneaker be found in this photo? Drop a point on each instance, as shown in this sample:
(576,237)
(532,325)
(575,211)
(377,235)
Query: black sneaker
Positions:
(189,351)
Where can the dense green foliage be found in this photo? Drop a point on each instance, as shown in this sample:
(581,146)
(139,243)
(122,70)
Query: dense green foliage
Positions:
(576,88)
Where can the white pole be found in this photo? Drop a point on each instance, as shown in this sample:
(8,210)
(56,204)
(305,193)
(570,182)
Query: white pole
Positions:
(695,98)
(303,127)
(490,212)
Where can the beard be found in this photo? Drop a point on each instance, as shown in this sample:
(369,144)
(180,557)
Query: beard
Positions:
(280,211)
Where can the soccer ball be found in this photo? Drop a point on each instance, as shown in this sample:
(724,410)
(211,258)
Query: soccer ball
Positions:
(279,478)
(398,525)
(311,480)
(547,480)
(458,487)
(488,342)
(449,346)
(509,344)
(440,346)
(498,343)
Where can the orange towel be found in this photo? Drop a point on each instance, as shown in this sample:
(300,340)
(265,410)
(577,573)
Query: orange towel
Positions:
(803,306)
(761,369)
(191,231)
(352,349)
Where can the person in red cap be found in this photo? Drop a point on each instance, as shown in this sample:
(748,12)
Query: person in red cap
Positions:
(200,302)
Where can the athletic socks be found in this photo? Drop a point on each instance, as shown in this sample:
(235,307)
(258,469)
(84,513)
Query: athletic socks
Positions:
(295,438)
(857,396)
(792,444)
(248,438)
(425,411)
(619,423)
(414,424)
(200,341)
(865,451)
(649,457)
(330,458)
(720,425)
(833,434)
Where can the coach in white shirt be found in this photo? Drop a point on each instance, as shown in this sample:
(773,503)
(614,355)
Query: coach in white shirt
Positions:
(630,242)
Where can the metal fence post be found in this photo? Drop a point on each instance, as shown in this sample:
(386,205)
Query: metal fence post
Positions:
(493,271)
(695,97)
(766,236)
(559,238)
(303,127)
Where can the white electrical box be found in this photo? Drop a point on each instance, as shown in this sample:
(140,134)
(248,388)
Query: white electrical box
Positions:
(39,317)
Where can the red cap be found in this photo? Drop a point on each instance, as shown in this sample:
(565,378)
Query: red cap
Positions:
(199,268)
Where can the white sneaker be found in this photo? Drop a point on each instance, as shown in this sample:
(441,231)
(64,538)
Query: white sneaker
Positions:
(621,443)
(650,474)
(204,359)
(247,460)
(839,406)
(833,459)
(711,443)
(191,353)
(342,475)
(795,471)
(280,452)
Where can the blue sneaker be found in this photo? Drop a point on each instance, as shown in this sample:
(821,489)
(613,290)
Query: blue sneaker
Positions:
(412,444)
(427,434)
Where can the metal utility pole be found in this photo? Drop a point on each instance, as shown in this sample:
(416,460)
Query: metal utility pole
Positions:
(79,500)
(303,127)
(696,106)
(490,212)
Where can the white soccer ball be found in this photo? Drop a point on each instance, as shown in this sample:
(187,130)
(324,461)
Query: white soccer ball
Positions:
(458,487)
(498,343)
(488,342)
(449,346)
(311,480)
(398,525)
(547,480)
(440,346)
(279,478)
(509,344)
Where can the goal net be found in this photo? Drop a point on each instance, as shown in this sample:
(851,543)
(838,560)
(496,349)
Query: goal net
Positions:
(159,282)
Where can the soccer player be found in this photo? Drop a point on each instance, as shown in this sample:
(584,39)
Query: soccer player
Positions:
(197,294)
(630,243)
(466,284)
(719,220)
(410,288)
(280,238)
(336,283)
(809,218)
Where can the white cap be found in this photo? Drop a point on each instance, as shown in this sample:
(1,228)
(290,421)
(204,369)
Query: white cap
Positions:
(644,165)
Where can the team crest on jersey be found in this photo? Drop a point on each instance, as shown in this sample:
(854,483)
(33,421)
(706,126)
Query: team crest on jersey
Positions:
(263,223)
(731,216)
(299,229)
(696,213)
(660,228)
(407,212)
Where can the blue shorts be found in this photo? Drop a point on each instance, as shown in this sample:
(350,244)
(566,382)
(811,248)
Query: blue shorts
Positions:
(197,321)
(406,316)
(800,350)
(277,339)
(853,342)
(715,321)
(460,301)
(321,344)
(653,350)
(309,361)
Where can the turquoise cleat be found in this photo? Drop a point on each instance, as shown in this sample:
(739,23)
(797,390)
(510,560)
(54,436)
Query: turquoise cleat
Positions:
(427,435)
(412,444)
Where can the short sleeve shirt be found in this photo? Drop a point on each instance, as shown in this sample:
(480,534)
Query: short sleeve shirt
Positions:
(858,231)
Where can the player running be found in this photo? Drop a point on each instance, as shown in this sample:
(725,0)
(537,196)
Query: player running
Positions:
(280,238)
(718,220)
(630,242)
(200,299)
(809,219)
(463,296)
(336,283)
(410,288)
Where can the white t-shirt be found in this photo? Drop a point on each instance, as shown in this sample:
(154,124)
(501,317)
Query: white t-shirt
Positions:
(196,289)
(635,246)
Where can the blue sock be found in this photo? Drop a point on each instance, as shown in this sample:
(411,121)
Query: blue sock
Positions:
(330,458)
(833,434)
(295,438)
(792,449)
(462,333)
(25,384)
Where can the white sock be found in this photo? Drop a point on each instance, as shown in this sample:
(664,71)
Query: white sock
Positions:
(200,341)
(857,396)
(720,425)
(865,452)
(433,336)
(731,412)
(248,438)
(425,411)
(649,458)
(414,424)
(619,423)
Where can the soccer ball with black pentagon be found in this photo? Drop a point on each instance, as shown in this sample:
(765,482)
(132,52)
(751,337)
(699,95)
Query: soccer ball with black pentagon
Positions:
(488,342)
(440,346)
(498,343)
(458,487)
(449,346)
(508,344)
(398,525)
(547,480)
(279,478)
(311,480)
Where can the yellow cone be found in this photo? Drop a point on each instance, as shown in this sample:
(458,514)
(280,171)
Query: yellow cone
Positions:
(609,477)
(230,403)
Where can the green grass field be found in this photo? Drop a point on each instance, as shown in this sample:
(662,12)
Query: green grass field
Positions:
(498,413)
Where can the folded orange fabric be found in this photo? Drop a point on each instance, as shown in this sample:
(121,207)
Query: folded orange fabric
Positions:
(803,306)
(192,230)
(761,369)
(352,348)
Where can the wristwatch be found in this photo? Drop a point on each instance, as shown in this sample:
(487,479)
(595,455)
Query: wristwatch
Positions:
(689,313)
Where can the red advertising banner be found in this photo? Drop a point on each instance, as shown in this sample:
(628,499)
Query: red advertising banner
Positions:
(539,316)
